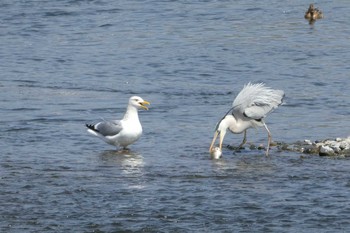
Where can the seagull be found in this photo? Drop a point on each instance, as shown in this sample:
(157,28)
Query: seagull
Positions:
(250,107)
(124,132)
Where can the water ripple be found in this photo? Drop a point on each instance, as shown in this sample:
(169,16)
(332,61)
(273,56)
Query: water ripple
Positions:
(65,63)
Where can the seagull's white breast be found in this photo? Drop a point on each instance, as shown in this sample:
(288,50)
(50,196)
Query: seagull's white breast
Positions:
(132,131)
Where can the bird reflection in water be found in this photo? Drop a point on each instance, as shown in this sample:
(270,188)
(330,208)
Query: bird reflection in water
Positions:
(130,162)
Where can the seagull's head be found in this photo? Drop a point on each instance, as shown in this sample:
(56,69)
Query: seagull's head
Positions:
(138,102)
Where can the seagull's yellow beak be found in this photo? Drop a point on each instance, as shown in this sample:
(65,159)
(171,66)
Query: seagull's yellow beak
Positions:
(142,104)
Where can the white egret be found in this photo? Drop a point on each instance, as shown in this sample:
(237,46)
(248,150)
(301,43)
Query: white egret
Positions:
(250,107)
(121,132)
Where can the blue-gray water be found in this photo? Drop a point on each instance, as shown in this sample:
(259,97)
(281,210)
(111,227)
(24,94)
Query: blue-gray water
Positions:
(70,62)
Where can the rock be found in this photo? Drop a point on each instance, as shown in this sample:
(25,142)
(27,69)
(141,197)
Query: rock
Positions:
(338,139)
(252,147)
(273,143)
(344,145)
(336,148)
(346,152)
(282,146)
(308,142)
(326,151)
(311,149)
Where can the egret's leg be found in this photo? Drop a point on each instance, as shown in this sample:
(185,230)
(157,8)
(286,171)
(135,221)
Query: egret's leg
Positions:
(244,139)
(269,139)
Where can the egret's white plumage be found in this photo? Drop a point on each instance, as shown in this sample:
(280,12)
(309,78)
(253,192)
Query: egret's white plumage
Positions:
(248,110)
(124,132)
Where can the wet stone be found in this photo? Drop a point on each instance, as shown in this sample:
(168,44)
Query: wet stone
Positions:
(311,149)
(326,151)
(346,152)
(326,147)
(344,145)
(252,147)
(329,147)
(308,142)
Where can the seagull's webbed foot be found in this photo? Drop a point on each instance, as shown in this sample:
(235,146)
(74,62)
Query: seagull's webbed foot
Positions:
(124,149)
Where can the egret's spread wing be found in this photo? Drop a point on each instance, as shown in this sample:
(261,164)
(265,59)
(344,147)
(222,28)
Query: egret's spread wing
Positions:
(256,101)
(257,111)
(108,128)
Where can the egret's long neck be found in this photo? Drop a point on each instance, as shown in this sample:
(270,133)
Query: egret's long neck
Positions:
(131,113)
(230,122)
(226,123)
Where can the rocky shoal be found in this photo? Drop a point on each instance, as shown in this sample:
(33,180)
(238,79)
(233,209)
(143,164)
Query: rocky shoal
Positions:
(328,147)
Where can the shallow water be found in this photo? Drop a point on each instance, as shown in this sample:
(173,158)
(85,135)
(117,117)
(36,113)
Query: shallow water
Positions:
(67,63)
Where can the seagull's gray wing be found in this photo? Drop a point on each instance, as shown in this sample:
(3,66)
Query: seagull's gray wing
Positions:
(108,128)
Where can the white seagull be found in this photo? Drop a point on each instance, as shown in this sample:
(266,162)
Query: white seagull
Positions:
(124,132)
(249,109)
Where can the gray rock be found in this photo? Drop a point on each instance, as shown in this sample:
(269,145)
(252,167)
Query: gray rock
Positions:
(339,139)
(307,141)
(346,152)
(326,151)
(344,145)
(311,149)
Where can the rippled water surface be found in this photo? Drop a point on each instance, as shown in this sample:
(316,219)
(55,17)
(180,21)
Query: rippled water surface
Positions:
(70,62)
